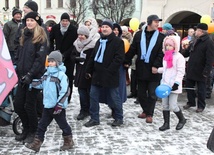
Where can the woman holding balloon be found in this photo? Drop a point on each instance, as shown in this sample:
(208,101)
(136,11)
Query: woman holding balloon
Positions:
(172,75)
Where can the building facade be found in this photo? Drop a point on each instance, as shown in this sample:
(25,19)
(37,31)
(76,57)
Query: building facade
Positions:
(181,14)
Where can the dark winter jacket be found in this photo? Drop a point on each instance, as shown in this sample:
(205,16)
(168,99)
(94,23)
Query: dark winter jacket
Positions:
(201,57)
(63,43)
(10,29)
(144,70)
(31,57)
(106,74)
(80,81)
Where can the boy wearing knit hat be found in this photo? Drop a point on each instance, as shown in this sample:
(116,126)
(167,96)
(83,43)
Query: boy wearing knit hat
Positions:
(54,80)
(62,37)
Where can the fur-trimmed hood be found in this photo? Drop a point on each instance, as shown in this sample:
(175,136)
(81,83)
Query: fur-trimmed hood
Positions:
(176,39)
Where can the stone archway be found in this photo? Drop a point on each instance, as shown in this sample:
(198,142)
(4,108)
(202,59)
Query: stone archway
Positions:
(183,20)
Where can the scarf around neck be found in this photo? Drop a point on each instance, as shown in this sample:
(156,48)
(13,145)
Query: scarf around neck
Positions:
(145,54)
(100,52)
(63,29)
(168,57)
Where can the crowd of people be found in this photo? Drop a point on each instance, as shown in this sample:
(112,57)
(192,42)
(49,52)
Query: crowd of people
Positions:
(101,68)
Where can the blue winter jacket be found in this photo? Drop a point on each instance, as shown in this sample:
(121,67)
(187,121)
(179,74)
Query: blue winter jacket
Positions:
(55,87)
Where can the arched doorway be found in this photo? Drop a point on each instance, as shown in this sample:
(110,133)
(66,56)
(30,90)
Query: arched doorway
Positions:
(183,20)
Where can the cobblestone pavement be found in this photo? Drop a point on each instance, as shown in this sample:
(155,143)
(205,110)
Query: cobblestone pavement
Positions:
(135,137)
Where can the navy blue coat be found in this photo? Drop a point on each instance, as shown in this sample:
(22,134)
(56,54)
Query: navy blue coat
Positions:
(106,74)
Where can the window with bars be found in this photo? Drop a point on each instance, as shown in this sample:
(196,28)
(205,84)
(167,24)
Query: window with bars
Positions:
(48,3)
(60,3)
(7,4)
(17,4)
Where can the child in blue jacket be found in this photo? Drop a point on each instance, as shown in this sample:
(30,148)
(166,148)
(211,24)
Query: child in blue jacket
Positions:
(55,99)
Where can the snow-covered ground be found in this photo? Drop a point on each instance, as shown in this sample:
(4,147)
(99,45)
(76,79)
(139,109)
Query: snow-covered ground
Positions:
(135,137)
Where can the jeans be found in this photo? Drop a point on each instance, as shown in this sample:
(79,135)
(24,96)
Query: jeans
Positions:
(84,94)
(201,93)
(47,117)
(114,102)
(146,96)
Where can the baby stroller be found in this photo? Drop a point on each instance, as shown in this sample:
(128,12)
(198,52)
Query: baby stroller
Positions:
(7,114)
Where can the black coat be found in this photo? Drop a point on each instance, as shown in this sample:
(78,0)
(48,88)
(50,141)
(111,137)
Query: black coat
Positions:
(64,43)
(201,58)
(144,70)
(106,74)
(80,81)
(31,57)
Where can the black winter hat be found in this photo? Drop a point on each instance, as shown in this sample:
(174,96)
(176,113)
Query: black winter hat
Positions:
(35,16)
(15,11)
(202,26)
(32,5)
(65,16)
(108,22)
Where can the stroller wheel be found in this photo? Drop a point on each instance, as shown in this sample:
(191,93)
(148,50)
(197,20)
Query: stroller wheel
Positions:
(17,126)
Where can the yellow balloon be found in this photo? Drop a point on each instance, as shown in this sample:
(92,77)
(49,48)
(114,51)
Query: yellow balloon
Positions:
(126,45)
(205,19)
(134,24)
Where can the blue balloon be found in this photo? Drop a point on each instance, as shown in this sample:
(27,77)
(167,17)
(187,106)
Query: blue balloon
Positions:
(163,90)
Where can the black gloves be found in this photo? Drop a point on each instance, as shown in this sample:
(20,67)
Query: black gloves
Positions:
(79,59)
(175,87)
(27,79)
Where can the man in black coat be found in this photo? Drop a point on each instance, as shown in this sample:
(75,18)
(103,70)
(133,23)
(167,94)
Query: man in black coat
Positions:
(103,68)
(201,57)
(62,37)
(147,45)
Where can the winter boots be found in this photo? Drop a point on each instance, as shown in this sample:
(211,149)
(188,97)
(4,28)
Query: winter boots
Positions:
(35,145)
(166,115)
(165,126)
(182,120)
(68,143)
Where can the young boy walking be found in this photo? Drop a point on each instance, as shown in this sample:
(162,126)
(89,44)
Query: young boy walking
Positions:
(55,99)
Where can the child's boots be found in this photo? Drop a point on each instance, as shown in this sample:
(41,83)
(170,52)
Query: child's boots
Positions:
(68,143)
(166,115)
(182,120)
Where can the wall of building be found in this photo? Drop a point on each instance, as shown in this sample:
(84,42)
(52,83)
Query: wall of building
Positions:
(167,9)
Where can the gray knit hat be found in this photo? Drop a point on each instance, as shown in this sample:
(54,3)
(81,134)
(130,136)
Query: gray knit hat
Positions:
(83,30)
(56,56)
